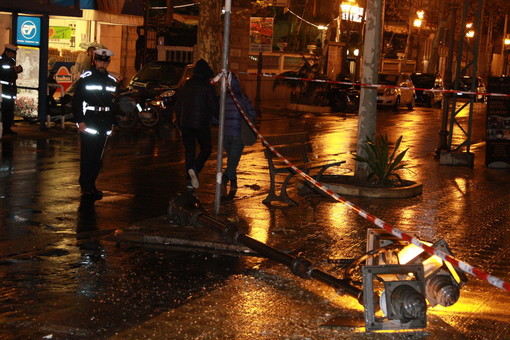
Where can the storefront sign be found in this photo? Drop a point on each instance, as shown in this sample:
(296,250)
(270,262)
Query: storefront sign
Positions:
(261,34)
(63,74)
(29,31)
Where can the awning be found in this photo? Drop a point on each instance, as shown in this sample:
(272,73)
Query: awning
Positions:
(114,19)
(130,7)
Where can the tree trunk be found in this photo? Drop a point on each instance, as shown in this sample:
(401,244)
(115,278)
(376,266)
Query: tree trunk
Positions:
(368,100)
(210,33)
(433,65)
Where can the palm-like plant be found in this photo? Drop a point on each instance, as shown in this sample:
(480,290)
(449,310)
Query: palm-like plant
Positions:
(383,165)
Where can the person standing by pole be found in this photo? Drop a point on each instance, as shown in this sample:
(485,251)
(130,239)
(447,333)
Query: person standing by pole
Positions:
(8,75)
(196,104)
(93,103)
(233,140)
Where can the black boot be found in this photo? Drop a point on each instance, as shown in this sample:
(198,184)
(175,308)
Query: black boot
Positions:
(233,189)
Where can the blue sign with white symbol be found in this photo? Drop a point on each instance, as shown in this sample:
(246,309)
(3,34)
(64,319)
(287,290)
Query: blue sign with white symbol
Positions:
(29,31)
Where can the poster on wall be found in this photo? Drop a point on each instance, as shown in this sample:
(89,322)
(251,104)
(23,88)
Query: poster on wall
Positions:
(261,34)
(60,33)
(28,58)
(27,103)
(28,82)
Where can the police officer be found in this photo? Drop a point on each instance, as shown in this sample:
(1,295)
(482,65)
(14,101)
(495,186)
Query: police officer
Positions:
(93,113)
(8,75)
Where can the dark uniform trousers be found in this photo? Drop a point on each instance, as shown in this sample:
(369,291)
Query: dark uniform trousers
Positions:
(92,148)
(7,113)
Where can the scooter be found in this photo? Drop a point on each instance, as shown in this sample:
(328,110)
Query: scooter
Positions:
(134,106)
(343,98)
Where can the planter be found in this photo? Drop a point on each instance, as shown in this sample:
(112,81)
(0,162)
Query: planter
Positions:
(342,185)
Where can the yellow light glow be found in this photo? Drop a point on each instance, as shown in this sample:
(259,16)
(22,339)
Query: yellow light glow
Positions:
(420,14)
(432,264)
(417,23)
(453,271)
(469,25)
(408,253)
(470,34)
(351,11)
(507,41)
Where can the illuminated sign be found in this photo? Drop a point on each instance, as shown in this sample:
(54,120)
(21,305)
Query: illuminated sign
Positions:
(29,31)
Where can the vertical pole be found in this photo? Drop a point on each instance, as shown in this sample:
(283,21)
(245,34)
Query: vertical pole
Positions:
(43,72)
(145,25)
(443,133)
(259,80)
(451,44)
(224,65)
(368,100)
(169,15)
(503,51)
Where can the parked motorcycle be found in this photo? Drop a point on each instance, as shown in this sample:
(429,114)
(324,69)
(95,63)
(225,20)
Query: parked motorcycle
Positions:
(343,97)
(135,107)
(340,97)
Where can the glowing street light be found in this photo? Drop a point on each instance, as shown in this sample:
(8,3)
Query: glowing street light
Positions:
(470,33)
(351,11)
(419,20)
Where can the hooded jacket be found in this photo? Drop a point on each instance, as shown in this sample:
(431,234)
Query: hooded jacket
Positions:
(233,116)
(196,101)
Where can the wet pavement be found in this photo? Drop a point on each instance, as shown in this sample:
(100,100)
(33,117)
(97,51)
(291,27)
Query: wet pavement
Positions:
(66,276)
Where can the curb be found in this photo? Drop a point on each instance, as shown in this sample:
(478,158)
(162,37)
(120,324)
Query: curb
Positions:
(412,190)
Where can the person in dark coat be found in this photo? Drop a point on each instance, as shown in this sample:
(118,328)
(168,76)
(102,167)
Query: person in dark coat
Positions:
(8,75)
(232,141)
(93,103)
(196,104)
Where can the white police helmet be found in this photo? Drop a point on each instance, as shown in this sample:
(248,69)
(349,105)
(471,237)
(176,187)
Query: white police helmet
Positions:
(103,54)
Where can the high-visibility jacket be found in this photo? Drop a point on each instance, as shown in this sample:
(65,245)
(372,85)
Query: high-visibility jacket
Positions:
(8,76)
(94,100)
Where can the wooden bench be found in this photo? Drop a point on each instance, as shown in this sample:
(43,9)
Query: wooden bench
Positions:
(295,148)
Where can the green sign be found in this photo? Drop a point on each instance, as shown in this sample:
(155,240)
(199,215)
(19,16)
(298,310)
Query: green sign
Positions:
(60,32)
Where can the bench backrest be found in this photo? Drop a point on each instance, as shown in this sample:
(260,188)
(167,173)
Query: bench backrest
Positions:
(294,147)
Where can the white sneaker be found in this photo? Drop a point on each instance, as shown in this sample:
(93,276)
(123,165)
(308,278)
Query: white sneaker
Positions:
(194,178)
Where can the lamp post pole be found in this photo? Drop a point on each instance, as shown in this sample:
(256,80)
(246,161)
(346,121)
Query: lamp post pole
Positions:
(443,133)
(504,47)
(223,93)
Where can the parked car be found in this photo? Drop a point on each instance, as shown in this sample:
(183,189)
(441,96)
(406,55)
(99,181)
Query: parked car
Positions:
(149,98)
(158,76)
(400,91)
(424,82)
(465,83)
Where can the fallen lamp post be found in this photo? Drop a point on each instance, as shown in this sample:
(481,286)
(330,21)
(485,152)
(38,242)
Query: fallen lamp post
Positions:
(399,290)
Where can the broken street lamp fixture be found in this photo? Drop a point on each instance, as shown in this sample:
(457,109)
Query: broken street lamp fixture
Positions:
(405,275)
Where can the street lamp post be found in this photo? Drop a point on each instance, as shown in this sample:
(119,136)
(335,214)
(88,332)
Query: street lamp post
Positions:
(416,23)
(507,51)
(350,11)
(469,34)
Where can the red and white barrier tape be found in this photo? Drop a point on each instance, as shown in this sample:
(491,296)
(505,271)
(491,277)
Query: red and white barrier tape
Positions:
(378,85)
(378,222)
